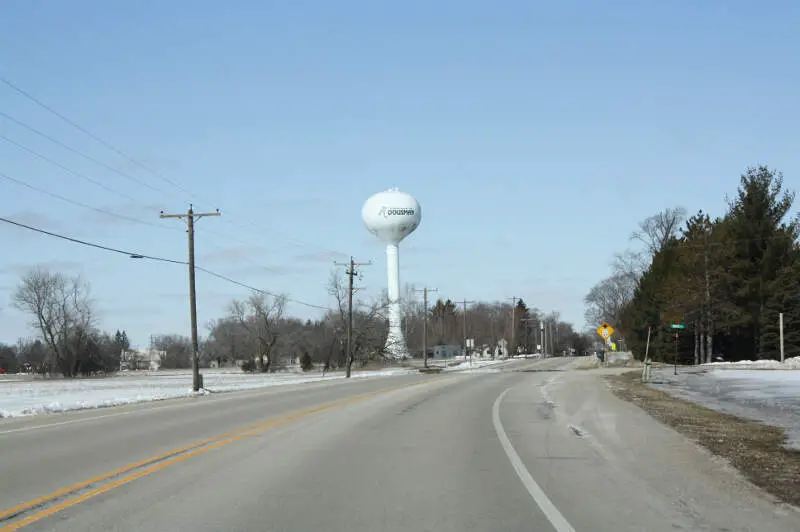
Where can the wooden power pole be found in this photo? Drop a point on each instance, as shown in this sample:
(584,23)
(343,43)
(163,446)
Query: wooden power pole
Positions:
(513,347)
(425,322)
(351,273)
(464,323)
(190,217)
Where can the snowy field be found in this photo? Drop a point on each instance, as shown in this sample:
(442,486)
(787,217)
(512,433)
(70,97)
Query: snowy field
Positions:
(772,397)
(24,397)
(21,395)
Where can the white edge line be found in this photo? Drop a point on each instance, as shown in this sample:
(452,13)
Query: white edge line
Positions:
(539,497)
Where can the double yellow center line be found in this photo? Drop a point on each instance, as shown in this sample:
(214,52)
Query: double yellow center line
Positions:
(82,491)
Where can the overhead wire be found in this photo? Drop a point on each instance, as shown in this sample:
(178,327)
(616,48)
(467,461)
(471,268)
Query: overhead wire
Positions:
(84,205)
(91,135)
(67,169)
(137,255)
(97,183)
(133,161)
(80,153)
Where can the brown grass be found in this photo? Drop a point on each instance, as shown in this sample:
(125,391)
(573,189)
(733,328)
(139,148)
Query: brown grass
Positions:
(755,449)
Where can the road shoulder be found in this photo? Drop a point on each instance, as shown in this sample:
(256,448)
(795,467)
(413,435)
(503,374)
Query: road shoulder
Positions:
(604,460)
(756,450)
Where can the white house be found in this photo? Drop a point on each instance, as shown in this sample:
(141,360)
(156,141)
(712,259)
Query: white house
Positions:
(144,359)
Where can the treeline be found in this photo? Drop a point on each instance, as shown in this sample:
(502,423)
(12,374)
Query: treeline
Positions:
(726,279)
(257,334)
(257,331)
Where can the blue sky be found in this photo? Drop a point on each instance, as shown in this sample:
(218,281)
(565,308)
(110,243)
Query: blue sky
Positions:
(534,134)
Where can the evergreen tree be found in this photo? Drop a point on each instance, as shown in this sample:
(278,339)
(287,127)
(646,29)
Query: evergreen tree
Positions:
(762,244)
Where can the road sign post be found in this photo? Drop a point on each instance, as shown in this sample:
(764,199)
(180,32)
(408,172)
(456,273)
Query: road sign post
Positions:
(676,327)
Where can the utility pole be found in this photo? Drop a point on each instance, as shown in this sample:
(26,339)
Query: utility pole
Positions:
(190,217)
(425,322)
(709,328)
(556,342)
(465,303)
(351,273)
(542,336)
(513,346)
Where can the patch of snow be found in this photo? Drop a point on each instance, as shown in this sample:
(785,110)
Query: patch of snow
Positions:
(476,364)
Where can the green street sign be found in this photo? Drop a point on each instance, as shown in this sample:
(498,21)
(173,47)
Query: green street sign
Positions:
(677,326)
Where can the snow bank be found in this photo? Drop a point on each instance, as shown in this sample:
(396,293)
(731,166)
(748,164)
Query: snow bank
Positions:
(772,397)
(789,363)
(30,397)
(585,362)
(618,358)
(612,358)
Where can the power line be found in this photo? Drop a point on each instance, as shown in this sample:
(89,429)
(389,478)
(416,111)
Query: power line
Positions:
(91,135)
(259,290)
(67,169)
(85,206)
(124,155)
(130,254)
(136,255)
(102,185)
(80,153)
(80,204)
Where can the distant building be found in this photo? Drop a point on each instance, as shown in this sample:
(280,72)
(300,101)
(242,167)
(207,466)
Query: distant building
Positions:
(447,351)
(145,359)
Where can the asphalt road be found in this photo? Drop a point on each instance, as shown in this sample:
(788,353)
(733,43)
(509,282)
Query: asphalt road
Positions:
(531,447)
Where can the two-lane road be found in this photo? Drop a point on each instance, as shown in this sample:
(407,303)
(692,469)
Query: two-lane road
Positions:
(528,447)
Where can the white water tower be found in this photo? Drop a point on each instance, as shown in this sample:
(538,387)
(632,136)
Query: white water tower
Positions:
(391,216)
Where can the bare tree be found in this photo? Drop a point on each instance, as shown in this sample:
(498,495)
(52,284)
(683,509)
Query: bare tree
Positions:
(369,323)
(654,232)
(630,265)
(227,342)
(61,311)
(607,299)
(260,316)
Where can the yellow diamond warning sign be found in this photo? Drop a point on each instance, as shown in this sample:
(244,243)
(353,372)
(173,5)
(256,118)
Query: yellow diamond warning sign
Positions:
(605,331)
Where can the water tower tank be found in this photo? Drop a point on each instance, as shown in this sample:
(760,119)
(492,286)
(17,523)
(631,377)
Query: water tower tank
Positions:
(391,215)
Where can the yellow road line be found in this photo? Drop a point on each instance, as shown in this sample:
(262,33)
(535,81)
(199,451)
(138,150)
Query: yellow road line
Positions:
(163,460)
